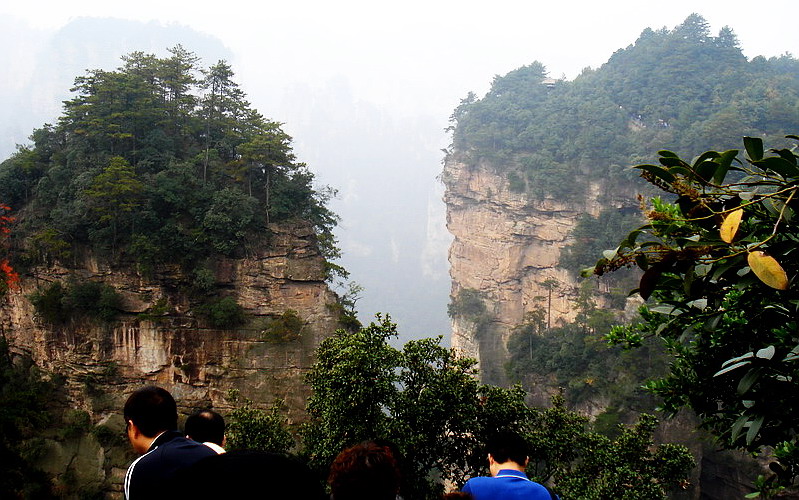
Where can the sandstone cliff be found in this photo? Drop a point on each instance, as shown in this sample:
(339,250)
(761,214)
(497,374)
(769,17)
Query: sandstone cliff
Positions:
(506,245)
(159,340)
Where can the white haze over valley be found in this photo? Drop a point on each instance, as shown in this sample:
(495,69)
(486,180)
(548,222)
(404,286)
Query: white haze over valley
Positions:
(365,89)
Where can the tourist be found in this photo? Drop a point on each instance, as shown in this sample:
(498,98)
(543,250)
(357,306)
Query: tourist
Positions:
(151,419)
(507,460)
(206,427)
(366,471)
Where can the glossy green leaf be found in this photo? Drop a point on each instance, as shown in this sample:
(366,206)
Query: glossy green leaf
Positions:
(748,380)
(659,172)
(779,165)
(754,148)
(666,152)
(706,171)
(787,155)
(724,161)
(610,254)
(732,367)
(754,428)
(673,162)
(737,359)
(707,155)
(738,426)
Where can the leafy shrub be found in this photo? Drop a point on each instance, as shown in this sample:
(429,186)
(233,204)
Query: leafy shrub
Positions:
(204,281)
(254,429)
(467,303)
(49,303)
(57,303)
(75,423)
(223,313)
(285,328)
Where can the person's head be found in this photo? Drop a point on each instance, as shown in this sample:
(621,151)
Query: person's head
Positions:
(206,426)
(506,449)
(364,471)
(148,412)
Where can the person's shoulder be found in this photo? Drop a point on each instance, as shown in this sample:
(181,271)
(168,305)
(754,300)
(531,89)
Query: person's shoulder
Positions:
(476,482)
(185,447)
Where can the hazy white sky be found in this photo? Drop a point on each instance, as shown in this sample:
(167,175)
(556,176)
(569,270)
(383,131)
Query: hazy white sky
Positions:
(426,53)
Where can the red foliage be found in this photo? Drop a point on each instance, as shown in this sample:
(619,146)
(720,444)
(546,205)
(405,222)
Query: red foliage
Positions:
(8,277)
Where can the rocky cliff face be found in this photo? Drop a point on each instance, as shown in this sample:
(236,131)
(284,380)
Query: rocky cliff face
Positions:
(506,246)
(158,340)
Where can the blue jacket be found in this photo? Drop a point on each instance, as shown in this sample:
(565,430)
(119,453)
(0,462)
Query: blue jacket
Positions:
(149,475)
(508,484)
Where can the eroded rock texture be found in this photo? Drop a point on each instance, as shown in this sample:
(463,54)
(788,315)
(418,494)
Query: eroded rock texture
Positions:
(160,339)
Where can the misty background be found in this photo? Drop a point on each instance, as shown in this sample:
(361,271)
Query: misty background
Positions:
(365,89)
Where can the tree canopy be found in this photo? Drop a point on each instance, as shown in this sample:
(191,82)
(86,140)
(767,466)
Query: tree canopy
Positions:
(719,268)
(680,89)
(426,400)
(158,161)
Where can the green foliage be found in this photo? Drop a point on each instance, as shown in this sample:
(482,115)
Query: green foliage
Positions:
(427,400)
(285,328)
(469,304)
(345,307)
(24,394)
(223,313)
(58,303)
(625,467)
(681,88)
(160,162)
(592,235)
(719,265)
(576,358)
(254,429)
(75,423)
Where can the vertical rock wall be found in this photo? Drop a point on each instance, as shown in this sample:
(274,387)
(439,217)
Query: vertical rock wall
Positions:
(505,246)
(159,340)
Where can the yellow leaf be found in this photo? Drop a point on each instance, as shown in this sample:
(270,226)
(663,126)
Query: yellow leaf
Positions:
(730,225)
(768,270)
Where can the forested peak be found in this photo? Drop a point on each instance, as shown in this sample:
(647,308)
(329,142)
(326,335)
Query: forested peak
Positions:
(694,28)
(682,89)
(521,79)
(160,160)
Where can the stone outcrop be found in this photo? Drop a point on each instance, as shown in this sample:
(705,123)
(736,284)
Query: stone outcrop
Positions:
(158,339)
(506,246)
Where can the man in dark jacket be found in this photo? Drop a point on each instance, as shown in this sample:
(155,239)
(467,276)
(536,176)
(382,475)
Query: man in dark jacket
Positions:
(151,417)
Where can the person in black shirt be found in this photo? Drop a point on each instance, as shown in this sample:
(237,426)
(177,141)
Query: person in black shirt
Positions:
(151,418)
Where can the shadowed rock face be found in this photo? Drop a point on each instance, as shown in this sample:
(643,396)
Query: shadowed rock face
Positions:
(157,339)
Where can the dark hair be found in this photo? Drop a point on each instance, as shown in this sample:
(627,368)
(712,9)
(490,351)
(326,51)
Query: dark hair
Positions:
(507,446)
(365,471)
(153,410)
(205,425)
